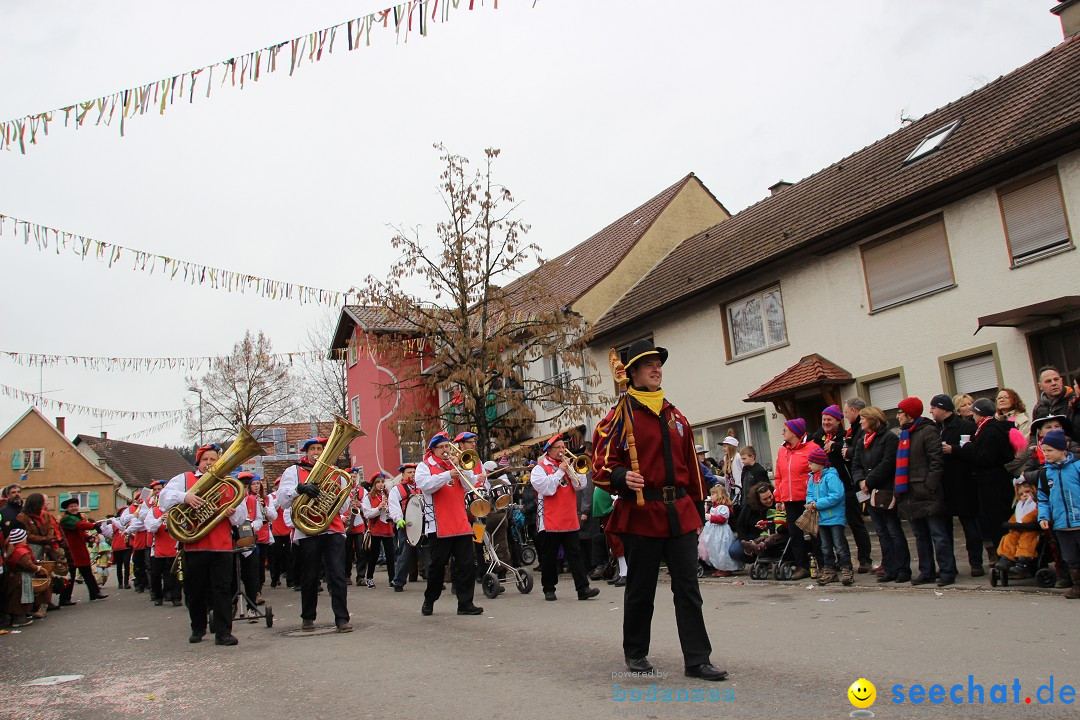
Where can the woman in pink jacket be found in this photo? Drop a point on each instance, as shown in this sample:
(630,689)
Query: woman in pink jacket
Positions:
(791,473)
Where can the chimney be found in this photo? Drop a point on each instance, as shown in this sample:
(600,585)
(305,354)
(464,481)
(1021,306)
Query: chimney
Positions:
(60,425)
(104,435)
(778,187)
(1069,12)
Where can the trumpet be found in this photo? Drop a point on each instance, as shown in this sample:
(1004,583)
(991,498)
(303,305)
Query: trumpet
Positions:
(580,463)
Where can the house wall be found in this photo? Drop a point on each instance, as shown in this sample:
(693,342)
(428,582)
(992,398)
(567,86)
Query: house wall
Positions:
(825,306)
(65,469)
(121,491)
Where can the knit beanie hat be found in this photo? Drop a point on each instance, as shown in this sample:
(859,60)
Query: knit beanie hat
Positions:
(797,426)
(834,411)
(912,407)
(983,408)
(1056,439)
(943,402)
(16,536)
(819,457)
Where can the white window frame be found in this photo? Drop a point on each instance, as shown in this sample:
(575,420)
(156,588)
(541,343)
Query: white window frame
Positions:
(932,142)
(354,409)
(84,499)
(770,342)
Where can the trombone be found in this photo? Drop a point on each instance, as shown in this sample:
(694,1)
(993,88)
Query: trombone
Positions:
(581,463)
(463,461)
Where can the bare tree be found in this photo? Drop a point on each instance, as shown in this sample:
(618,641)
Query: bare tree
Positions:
(485,321)
(324,384)
(250,388)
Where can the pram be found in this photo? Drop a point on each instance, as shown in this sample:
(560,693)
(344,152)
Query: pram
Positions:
(1043,572)
(491,583)
(772,560)
(520,534)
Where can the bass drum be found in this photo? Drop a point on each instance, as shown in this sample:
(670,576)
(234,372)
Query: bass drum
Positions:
(414,520)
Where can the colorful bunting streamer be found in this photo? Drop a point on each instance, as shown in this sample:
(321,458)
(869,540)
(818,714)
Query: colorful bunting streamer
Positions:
(37,399)
(406,18)
(139,364)
(174,269)
(151,430)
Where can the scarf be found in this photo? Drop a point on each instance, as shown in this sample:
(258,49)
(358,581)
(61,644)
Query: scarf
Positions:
(982,424)
(868,438)
(434,460)
(902,453)
(653,400)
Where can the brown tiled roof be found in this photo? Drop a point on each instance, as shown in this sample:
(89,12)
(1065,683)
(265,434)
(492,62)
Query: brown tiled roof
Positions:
(811,371)
(1024,118)
(582,266)
(369,318)
(136,464)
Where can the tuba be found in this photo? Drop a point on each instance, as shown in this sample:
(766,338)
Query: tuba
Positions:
(188,524)
(313,515)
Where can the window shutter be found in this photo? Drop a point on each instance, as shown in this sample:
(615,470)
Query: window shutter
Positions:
(16,460)
(972,375)
(886,394)
(1035,218)
(93,501)
(906,267)
(62,498)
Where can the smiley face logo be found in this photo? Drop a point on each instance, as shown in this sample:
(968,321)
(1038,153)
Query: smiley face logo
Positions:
(862,693)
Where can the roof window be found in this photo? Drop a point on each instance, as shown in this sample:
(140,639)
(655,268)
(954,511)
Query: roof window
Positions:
(932,142)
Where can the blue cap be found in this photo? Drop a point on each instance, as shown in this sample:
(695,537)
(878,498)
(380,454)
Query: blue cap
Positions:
(312,441)
(464,436)
(438,439)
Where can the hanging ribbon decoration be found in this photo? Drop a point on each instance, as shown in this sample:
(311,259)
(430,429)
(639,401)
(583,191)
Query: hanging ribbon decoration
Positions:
(150,430)
(146,364)
(181,270)
(37,399)
(123,105)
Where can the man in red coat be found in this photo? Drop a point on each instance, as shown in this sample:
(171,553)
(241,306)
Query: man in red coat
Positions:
(75,527)
(666,526)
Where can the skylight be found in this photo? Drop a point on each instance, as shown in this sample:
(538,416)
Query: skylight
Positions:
(932,142)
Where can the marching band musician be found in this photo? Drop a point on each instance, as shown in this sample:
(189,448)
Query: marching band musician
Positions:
(404,554)
(355,540)
(467,441)
(329,545)
(447,526)
(163,583)
(121,553)
(556,485)
(208,562)
(665,527)
(281,529)
(137,539)
(262,535)
(376,512)
(249,558)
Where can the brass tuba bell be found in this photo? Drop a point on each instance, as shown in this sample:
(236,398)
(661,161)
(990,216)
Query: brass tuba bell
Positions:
(313,515)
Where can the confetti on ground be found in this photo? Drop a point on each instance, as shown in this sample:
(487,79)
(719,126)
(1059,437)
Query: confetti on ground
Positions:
(826,599)
(52,680)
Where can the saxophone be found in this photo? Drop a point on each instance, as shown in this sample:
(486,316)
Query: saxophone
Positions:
(313,515)
(219,490)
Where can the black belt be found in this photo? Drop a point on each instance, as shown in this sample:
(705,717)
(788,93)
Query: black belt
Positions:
(667,495)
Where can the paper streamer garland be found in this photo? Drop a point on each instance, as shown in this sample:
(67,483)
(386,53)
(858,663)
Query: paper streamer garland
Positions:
(405,19)
(139,364)
(150,430)
(174,269)
(36,399)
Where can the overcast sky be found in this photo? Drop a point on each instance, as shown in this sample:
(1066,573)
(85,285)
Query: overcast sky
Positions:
(596,106)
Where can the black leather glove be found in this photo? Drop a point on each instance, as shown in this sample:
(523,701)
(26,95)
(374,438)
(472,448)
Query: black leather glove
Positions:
(309,489)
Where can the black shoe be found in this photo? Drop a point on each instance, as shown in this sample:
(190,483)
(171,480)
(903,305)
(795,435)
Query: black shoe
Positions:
(641,665)
(470,610)
(427,608)
(921,580)
(296,588)
(99,596)
(587,594)
(53,607)
(620,581)
(906,577)
(706,671)
(613,580)
(943,581)
(308,626)
(399,588)
(139,589)
(175,603)
(273,583)
(550,596)
(66,603)
(196,637)
(159,603)
(226,640)
(886,578)
(127,586)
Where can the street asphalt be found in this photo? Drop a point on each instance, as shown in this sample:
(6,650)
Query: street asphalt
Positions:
(792,650)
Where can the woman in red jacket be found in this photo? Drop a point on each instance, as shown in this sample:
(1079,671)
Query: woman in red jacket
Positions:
(791,473)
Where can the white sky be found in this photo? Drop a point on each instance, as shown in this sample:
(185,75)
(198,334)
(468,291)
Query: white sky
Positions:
(596,106)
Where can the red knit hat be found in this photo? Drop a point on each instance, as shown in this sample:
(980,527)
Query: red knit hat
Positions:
(912,407)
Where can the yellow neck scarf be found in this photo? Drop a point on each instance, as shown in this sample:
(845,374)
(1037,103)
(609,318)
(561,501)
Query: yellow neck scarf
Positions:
(653,400)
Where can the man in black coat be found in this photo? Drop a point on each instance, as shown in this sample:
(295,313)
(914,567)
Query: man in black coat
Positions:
(961,496)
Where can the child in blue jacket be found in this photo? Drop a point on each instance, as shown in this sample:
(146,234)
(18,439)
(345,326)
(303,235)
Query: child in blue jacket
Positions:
(1059,502)
(825,491)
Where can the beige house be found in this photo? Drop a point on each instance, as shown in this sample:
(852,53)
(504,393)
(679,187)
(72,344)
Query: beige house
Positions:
(938,259)
(41,459)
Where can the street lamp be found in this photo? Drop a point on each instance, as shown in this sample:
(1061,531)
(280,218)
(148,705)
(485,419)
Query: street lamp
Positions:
(198,392)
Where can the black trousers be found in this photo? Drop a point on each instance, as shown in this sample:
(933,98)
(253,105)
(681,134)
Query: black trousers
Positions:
(87,573)
(122,561)
(464,580)
(163,584)
(141,568)
(855,521)
(279,560)
(643,557)
(329,548)
(800,549)
(208,580)
(296,574)
(249,575)
(264,558)
(548,544)
(972,538)
(387,544)
(355,556)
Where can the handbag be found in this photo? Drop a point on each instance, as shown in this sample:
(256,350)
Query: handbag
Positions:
(808,521)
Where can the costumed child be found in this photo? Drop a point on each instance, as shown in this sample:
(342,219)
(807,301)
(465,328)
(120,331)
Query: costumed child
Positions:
(825,492)
(1059,502)
(1016,551)
(716,537)
(21,567)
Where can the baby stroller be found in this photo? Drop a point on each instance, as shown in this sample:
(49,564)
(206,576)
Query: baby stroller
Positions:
(491,583)
(1042,571)
(520,535)
(772,560)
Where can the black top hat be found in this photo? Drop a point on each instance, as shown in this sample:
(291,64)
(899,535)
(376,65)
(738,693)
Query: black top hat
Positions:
(644,348)
(68,502)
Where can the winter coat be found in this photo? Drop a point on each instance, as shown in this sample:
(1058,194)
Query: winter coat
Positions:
(925,496)
(836,455)
(1059,495)
(791,471)
(1052,406)
(751,476)
(590,526)
(988,452)
(827,490)
(876,465)
(961,496)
